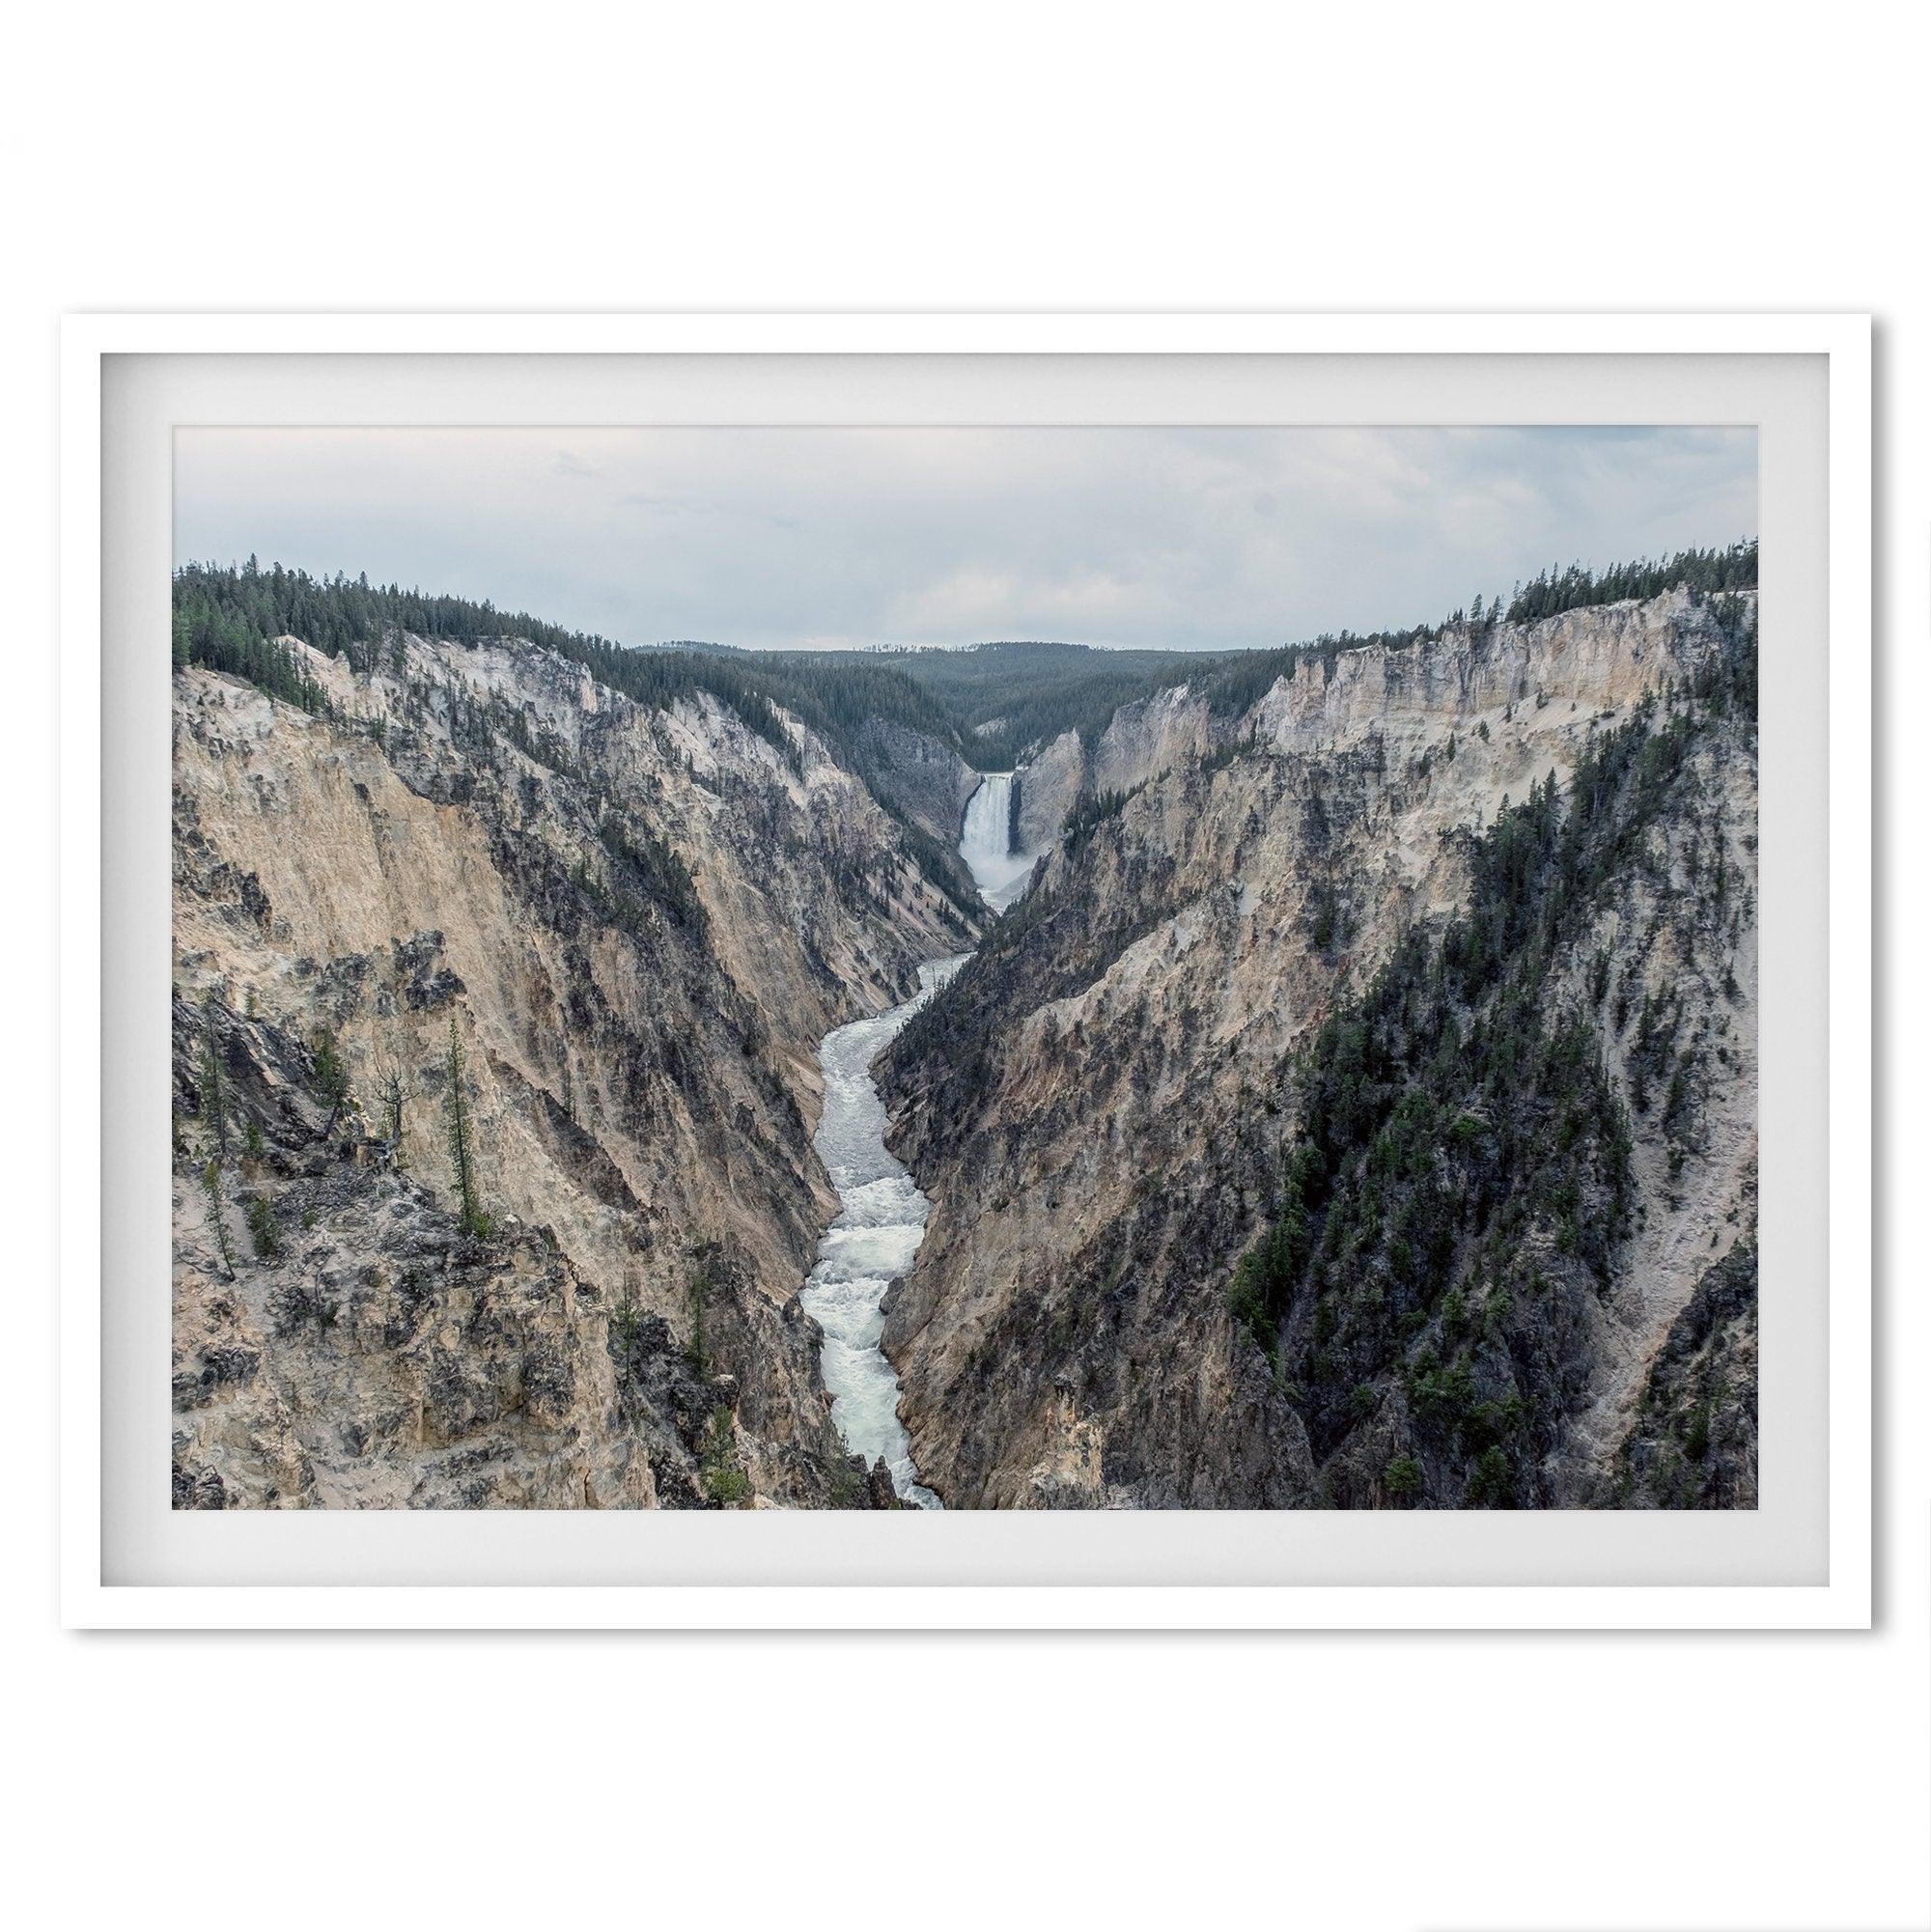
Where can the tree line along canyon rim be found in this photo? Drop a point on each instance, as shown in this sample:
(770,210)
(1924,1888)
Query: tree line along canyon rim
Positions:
(1016,1076)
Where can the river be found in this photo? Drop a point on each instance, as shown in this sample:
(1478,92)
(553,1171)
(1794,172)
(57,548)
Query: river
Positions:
(882,1211)
(880,1225)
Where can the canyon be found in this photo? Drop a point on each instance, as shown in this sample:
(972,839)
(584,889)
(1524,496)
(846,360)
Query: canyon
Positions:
(851,1127)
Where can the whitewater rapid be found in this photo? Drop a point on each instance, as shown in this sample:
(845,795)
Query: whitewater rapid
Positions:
(871,1244)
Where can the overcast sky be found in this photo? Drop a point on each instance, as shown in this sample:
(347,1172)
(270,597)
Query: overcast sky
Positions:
(1203,538)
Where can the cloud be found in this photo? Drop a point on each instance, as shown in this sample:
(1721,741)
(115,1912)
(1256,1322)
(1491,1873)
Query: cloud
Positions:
(1196,538)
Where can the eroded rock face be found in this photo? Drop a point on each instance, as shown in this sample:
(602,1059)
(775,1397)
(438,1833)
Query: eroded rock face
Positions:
(1691,1441)
(1158,734)
(639,924)
(1100,1103)
(926,780)
(1599,659)
(1049,785)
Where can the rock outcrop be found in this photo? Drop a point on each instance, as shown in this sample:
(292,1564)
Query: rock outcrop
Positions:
(1692,1439)
(1141,740)
(928,781)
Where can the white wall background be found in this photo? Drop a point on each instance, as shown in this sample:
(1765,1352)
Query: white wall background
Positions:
(999,157)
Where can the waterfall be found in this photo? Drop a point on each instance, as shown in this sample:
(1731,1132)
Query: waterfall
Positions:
(986,844)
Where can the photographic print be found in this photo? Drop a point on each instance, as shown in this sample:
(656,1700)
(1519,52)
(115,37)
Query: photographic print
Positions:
(964,968)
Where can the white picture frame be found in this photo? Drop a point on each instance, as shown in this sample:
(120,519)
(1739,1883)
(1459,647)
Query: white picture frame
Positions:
(98,1589)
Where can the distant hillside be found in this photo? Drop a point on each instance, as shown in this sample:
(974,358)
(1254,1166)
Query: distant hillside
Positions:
(1005,697)
(1009,697)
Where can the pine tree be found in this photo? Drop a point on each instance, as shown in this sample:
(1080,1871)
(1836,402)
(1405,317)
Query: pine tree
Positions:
(213,1096)
(210,1184)
(331,1076)
(461,1139)
(697,1354)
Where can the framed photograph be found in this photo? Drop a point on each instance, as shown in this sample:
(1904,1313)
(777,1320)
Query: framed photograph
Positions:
(966,971)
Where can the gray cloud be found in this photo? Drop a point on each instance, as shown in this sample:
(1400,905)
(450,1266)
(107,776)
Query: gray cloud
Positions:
(1198,538)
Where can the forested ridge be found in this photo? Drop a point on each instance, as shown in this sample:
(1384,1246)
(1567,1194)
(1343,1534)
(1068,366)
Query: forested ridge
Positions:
(1230,685)
(1461,1105)
(1707,572)
(991,703)
(1006,697)
(228,619)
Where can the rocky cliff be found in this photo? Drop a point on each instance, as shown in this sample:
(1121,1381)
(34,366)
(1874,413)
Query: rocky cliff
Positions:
(1150,735)
(1357,1106)
(928,781)
(617,932)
